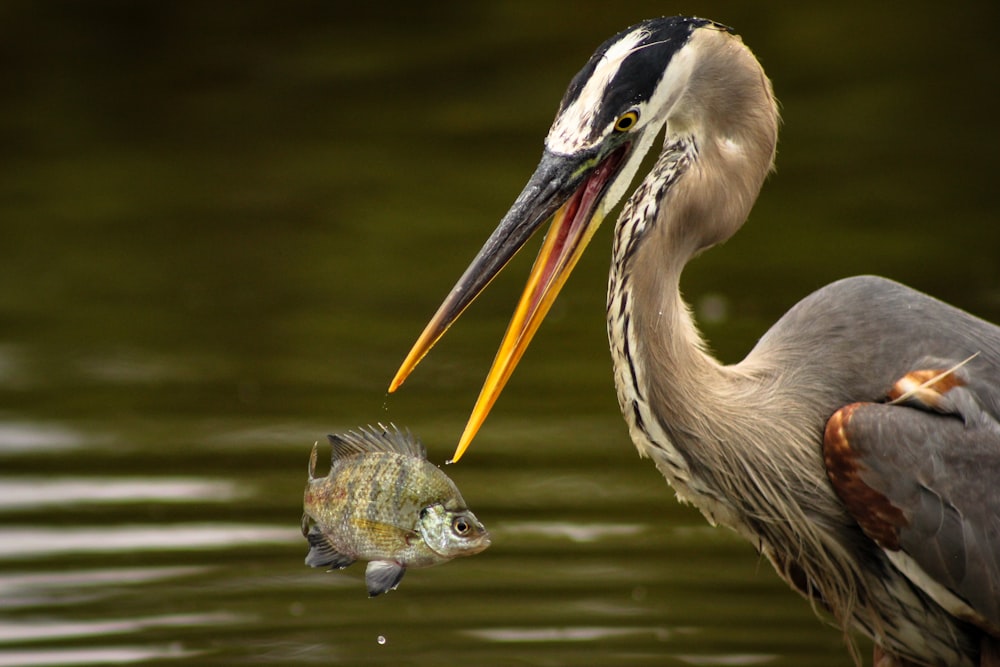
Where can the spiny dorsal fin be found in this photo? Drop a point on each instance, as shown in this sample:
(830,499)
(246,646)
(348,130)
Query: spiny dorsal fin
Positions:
(381,438)
(312,460)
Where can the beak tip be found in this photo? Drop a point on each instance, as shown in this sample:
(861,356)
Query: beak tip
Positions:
(400,377)
(463,444)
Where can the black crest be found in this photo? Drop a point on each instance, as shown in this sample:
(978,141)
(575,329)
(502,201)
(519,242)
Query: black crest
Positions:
(641,70)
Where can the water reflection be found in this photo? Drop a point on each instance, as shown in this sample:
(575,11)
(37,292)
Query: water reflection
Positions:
(83,588)
(33,436)
(33,589)
(37,492)
(92,655)
(565,634)
(18,542)
(52,629)
(721,660)
(576,532)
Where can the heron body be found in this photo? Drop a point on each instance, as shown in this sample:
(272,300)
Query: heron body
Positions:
(857,445)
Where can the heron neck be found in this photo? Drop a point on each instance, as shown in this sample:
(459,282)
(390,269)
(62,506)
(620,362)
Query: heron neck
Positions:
(668,381)
(683,407)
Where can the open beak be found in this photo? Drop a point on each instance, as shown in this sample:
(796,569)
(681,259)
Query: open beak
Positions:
(568,188)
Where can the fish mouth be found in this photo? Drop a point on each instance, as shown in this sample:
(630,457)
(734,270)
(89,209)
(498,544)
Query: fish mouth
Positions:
(572,190)
(452,533)
(468,546)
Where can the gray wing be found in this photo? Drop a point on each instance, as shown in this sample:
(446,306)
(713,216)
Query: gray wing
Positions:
(922,478)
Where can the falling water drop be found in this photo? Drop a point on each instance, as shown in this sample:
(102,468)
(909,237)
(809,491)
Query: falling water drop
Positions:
(381,639)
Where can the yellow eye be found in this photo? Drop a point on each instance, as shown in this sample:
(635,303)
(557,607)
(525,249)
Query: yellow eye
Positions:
(626,121)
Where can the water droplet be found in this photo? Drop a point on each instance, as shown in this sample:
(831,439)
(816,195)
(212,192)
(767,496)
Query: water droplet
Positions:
(381,639)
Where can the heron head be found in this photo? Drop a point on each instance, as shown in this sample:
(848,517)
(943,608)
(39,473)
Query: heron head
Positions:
(607,120)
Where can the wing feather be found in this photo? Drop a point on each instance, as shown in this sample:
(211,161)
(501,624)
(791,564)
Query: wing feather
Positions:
(925,485)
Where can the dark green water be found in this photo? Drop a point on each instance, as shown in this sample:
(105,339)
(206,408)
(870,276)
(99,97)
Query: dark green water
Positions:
(223,225)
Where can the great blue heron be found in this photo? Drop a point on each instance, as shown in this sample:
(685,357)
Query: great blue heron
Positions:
(857,445)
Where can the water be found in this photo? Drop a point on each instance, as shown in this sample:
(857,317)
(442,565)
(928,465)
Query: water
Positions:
(221,227)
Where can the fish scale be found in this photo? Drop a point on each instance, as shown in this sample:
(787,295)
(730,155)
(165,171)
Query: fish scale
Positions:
(383,502)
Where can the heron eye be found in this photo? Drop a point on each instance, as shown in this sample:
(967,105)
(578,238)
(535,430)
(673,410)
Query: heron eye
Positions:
(626,121)
(460,526)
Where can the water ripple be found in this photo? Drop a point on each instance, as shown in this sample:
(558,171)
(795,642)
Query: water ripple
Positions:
(564,634)
(30,492)
(577,532)
(92,655)
(23,437)
(49,630)
(21,590)
(728,659)
(18,542)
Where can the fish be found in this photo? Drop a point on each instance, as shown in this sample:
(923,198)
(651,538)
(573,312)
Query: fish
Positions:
(385,503)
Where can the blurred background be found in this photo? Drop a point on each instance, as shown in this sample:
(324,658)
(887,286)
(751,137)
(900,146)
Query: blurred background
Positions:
(222,225)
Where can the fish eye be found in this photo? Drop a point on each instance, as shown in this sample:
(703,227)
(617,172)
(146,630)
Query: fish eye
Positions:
(461,526)
(626,121)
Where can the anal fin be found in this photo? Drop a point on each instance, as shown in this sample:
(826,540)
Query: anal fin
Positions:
(323,553)
(382,576)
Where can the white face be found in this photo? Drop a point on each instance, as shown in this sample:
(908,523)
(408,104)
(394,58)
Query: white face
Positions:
(572,131)
(565,136)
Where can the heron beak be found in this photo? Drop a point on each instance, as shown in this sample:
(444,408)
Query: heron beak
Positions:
(568,188)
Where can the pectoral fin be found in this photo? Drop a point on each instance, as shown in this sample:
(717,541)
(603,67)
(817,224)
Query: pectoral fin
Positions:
(382,576)
(323,553)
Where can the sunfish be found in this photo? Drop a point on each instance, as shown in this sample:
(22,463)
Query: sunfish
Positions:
(385,503)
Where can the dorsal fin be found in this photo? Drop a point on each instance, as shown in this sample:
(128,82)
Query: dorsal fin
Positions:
(381,438)
(312,460)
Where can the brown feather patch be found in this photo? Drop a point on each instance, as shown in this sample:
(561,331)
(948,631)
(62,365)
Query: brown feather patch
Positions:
(878,518)
(930,395)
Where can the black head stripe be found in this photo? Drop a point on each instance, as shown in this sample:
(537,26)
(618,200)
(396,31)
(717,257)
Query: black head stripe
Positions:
(642,68)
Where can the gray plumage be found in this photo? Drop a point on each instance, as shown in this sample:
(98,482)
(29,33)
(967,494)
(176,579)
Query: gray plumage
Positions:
(879,506)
